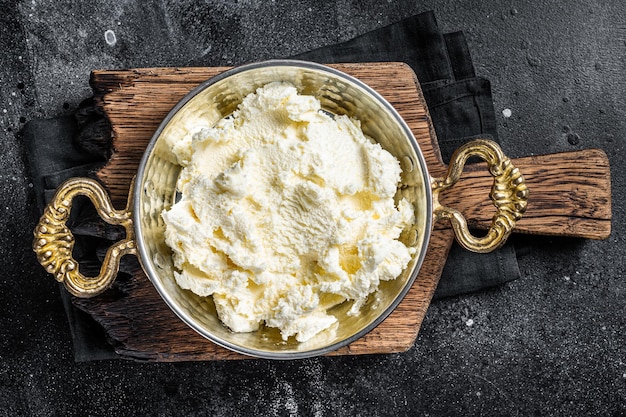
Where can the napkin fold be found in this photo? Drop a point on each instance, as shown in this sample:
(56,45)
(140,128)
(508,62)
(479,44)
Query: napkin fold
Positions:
(459,102)
(461,108)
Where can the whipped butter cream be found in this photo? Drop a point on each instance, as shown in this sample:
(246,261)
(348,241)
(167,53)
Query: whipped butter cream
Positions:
(284,211)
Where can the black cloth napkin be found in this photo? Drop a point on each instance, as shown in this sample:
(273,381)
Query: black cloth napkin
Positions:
(459,103)
(461,109)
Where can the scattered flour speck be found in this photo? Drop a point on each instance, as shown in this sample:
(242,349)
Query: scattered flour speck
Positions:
(110,38)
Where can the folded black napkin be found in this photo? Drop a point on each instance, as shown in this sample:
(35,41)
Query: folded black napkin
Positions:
(459,102)
(461,109)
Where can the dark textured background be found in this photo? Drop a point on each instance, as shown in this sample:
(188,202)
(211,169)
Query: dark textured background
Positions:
(551,343)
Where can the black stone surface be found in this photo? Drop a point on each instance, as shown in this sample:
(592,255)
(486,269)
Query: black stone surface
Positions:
(550,343)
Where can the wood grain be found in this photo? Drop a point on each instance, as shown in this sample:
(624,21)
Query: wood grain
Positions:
(567,198)
(569,195)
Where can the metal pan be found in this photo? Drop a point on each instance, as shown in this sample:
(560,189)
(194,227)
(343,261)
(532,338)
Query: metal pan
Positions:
(155,190)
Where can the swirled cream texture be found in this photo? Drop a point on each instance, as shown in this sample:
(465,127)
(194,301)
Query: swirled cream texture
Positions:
(284,212)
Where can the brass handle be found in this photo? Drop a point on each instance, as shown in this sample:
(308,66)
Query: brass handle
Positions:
(509,194)
(54,241)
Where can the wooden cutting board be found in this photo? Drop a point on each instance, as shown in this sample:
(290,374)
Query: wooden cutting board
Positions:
(570,195)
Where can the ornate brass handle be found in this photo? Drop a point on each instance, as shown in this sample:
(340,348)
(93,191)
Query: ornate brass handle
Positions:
(54,241)
(509,194)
